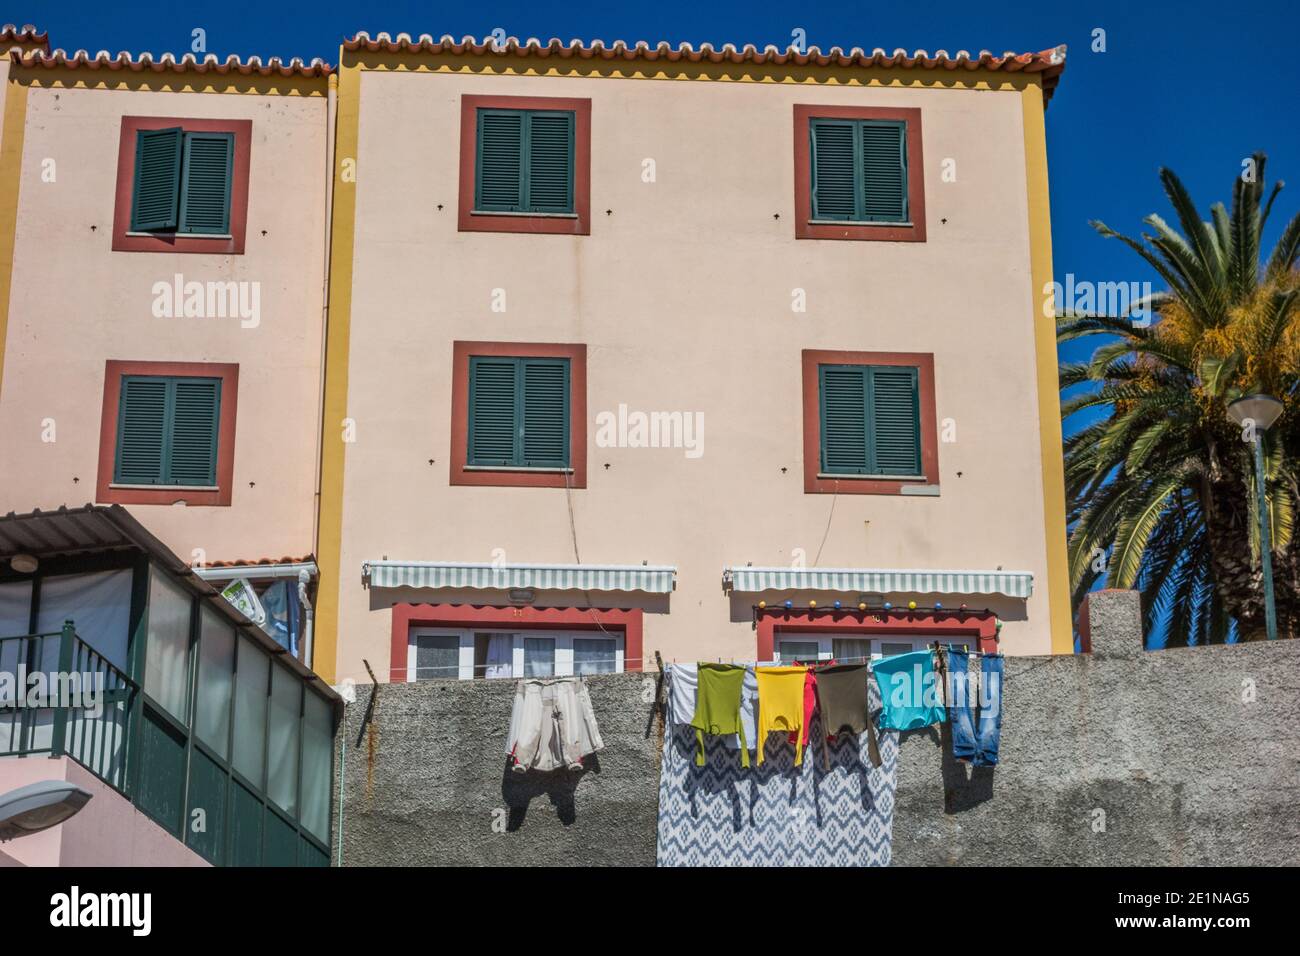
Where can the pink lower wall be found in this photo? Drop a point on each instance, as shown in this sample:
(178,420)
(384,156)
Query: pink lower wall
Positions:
(108,831)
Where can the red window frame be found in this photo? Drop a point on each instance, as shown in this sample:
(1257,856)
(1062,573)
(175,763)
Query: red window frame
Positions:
(126,241)
(885,232)
(219,496)
(981,626)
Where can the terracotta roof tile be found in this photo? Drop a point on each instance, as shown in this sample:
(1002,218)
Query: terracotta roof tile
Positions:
(168,63)
(255,562)
(23,34)
(1049,62)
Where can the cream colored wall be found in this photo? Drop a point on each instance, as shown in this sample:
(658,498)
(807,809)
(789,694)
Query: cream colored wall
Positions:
(683,294)
(76,303)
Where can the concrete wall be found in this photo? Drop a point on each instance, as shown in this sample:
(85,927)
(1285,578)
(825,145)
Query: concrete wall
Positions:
(76,303)
(1185,756)
(682,295)
(107,831)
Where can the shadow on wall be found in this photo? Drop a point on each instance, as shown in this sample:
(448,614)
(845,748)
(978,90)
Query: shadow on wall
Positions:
(519,790)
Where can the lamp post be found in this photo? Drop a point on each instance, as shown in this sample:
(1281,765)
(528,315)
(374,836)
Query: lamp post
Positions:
(39,806)
(1261,411)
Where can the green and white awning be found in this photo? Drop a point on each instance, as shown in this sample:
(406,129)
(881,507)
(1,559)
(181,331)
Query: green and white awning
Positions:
(1017,584)
(653,579)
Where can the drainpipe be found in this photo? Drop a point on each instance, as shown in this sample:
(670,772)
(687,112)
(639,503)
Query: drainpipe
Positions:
(308,613)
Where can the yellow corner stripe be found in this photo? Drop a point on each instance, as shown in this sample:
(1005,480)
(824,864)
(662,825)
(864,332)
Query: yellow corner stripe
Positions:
(11,168)
(1049,401)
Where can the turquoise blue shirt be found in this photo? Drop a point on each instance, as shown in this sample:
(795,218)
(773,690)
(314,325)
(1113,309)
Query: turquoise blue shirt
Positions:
(909,691)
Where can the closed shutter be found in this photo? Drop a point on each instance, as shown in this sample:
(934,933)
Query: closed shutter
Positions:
(884,171)
(157,179)
(843,419)
(499,179)
(895,421)
(141,430)
(196,408)
(492,407)
(545,430)
(550,162)
(834,170)
(205,189)
(870,420)
(167,431)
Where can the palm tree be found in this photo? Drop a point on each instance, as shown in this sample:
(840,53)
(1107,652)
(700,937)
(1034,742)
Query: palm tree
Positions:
(1160,488)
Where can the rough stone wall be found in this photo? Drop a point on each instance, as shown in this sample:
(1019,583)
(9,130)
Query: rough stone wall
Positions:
(1121,756)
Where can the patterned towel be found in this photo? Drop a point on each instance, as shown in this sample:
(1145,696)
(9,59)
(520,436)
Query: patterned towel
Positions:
(778,815)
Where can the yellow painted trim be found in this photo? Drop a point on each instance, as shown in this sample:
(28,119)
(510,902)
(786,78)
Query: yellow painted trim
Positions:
(1049,394)
(11,169)
(337,337)
(70,78)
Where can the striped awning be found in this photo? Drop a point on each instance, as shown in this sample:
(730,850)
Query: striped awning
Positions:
(654,579)
(1017,584)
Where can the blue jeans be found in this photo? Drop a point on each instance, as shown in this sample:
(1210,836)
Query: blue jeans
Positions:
(976,724)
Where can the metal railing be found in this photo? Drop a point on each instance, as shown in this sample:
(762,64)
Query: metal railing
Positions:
(61,697)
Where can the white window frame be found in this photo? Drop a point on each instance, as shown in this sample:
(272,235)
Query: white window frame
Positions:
(825,641)
(465,637)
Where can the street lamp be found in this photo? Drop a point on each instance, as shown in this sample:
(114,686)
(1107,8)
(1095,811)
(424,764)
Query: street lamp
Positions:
(1261,411)
(39,806)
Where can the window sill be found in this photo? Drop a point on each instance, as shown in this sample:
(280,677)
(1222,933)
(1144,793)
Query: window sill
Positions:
(524,215)
(226,237)
(120,487)
(516,469)
(839,477)
(882,223)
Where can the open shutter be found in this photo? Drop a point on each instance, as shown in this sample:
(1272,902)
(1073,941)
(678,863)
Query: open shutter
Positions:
(550,162)
(498,184)
(545,431)
(205,184)
(157,179)
(895,421)
(492,410)
(843,419)
(834,169)
(141,431)
(196,413)
(884,171)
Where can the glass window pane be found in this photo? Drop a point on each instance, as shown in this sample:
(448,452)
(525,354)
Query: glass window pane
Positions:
(851,649)
(595,655)
(282,761)
(797,651)
(216,679)
(317,754)
(889,649)
(437,655)
(539,656)
(250,711)
(167,655)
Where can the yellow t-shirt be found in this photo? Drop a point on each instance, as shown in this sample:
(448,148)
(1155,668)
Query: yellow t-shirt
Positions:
(780,706)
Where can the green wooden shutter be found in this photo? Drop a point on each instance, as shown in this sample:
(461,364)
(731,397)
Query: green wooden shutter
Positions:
(843,419)
(195,427)
(499,166)
(549,177)
(141,431)
(835,168)
(493,401)
(895,421)
(157,179)
(205,183)
(545,431)
(884,171)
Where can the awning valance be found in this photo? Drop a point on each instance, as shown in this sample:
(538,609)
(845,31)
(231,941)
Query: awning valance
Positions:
(1017,584)
(653,579)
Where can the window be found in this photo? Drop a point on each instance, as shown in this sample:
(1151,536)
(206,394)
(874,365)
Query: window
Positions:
(167,654)
(282,737)
(167,431)
(182,182)
(446,653)
(518,412)
(870,423)
(518,415)
(182,185)
(525,161)
(859,170)
(525,164)
(252,674)
(810,647)
(216,679)
(870,420)
(858,173)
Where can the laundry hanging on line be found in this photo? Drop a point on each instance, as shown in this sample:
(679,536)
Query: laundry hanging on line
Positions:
(552,725)
(975,714)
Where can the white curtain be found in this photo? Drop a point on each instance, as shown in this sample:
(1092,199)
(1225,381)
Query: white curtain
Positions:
(99,604)
(500,656)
